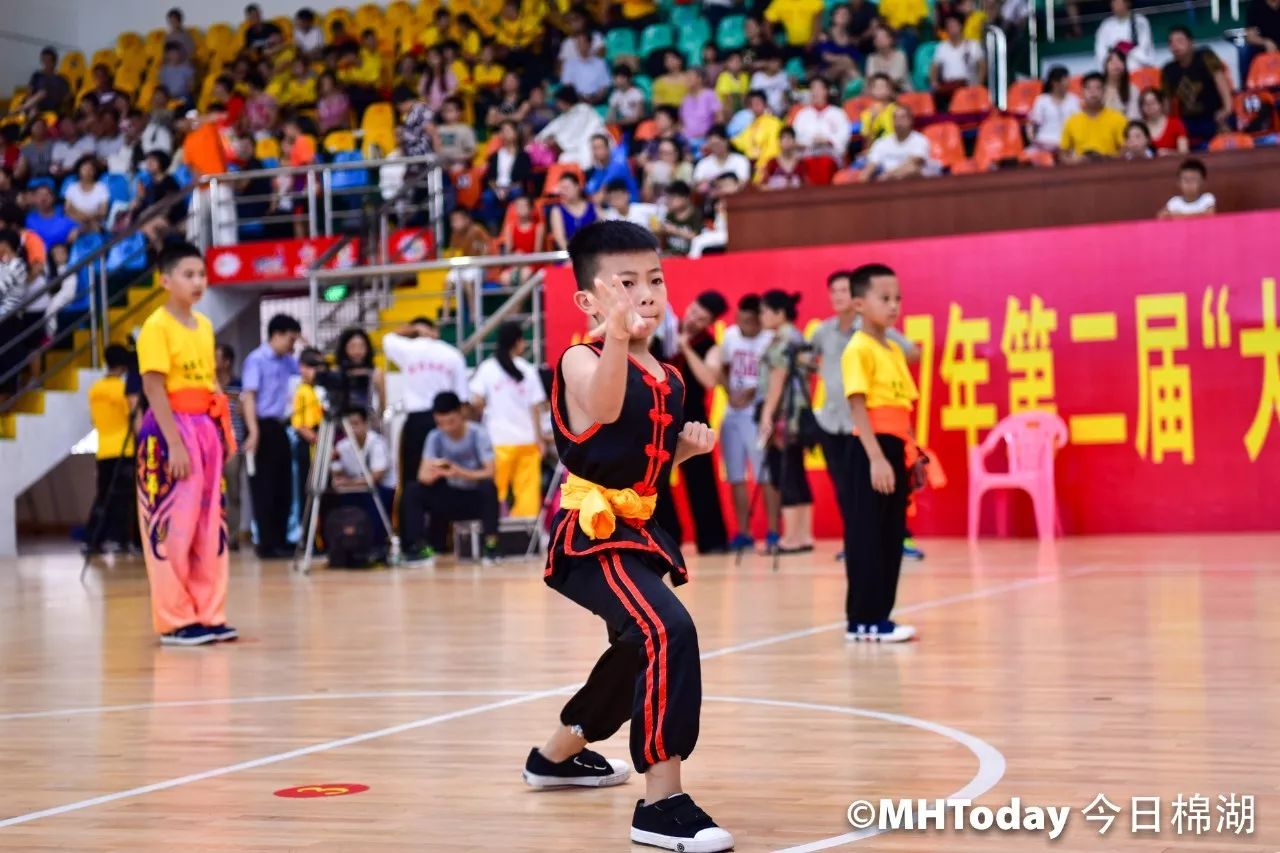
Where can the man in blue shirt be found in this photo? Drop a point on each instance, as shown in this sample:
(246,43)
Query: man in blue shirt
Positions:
(265,403)
(53,226)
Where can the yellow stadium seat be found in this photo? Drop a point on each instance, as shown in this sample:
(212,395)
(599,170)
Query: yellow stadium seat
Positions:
(369,16)
(72,64)
(286,27)
(147,92)
(105,57)
(337,13)
(267,148)
(339,141)
(128,43)
(379,127)
(15,103)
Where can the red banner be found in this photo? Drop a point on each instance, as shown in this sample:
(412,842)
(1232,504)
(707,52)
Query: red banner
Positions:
(1157,343)
(409,245)
(275,260)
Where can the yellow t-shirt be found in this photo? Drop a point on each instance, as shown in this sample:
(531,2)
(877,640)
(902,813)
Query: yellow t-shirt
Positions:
(521,32)
(796,17)
(732,90)
(760,139)
(183,355)
(307,413)
(1103,133)
(975,26)
(669,90)
(903,13)
(632,9)
(880,125)
(109,412)
(291,92)
(488,76)
(879,371)
(367,73)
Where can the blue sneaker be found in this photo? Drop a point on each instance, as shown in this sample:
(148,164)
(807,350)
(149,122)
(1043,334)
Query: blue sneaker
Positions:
(884,631)
(190,635)
(771,541)
(223,633)
(741,542)
(910,551)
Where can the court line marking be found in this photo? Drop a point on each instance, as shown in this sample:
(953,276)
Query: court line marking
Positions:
(326,746)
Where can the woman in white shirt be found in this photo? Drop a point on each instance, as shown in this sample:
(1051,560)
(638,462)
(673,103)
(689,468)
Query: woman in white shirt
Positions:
(87,199)
(1118,93)
(1050,111)
(508,391)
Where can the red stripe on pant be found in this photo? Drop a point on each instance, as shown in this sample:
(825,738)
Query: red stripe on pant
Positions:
(650,642)
(660,662)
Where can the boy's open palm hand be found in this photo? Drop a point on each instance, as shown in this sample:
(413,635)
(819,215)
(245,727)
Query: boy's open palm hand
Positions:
(697,438)
(621,322)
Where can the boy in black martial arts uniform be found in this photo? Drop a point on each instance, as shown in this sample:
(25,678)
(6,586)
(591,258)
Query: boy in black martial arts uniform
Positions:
(619,428)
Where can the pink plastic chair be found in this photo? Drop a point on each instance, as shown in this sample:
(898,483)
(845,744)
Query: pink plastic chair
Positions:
(1031,439)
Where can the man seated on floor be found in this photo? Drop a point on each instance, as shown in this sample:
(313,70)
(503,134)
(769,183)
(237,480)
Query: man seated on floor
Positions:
(455,483)
(348,480)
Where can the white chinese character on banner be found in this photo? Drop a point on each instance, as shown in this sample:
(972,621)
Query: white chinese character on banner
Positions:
(1235,813)
(1144,807)
(1102,810)
(1190,815)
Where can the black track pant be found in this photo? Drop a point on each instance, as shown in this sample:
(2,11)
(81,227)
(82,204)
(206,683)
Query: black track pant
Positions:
(651,673)
(873,529)
(272,484)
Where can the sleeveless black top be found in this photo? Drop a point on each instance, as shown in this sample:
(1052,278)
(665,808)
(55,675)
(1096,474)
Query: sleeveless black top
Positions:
(633,452)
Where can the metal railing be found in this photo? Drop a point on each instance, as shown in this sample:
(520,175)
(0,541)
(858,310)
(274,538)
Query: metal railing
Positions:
(1188,6)
(997,66)
(95,292)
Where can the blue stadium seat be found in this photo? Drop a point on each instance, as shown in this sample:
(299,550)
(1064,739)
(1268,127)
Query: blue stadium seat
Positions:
(619,43)
(655,38)
(732,33)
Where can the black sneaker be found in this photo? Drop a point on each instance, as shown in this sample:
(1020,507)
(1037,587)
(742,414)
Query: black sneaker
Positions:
(191,635)
(587,769)
(223,633)
(677,823)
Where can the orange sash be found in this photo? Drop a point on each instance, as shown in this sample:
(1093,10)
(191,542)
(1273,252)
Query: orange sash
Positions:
(201,401)
(896,421)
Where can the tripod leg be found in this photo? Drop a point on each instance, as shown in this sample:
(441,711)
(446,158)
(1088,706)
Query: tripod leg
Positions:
(317,484)
(393,541)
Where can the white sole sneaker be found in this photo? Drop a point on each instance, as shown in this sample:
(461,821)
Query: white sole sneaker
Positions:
(202,640)
(621,773)
(900,634)
(706,841)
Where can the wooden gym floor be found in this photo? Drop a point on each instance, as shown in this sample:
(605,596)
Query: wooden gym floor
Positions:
(1135,666)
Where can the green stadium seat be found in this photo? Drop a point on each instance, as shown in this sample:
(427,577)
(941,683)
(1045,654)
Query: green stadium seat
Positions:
(683,16)
(732,33)
(619,43)
(645,84)
(795,68)
(853,88)
(920,66)
(655,38)
(696,30)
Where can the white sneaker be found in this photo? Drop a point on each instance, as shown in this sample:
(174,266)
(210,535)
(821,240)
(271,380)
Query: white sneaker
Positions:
(886,631)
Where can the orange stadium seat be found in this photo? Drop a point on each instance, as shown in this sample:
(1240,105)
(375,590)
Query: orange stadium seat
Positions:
(920,103)
(945,144)
(967,166)
(1145,78)
(1038,158)
(1022,95)
(971,99)
(1075,85)
(1230,141)
(854,106)
(999,138)
(1264,72)
(846,176)
(556,172)
(470,186)
(1255,112)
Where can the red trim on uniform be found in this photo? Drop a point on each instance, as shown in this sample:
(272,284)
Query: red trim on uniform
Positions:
(675,374)
(551,550)
(659,746)
(649,651)
(562,423)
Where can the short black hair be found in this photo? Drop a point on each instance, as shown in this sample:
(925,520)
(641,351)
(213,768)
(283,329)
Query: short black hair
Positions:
(617,185)
(355,412)
(88,158)
(780,300)
(424,320)
(600,239)
(50,52)
(718,130)
(750,303)
(1091,76)
(679,188)
(446,403)
(305,14)
(228,352)
(669,111)
(175,253)
(714,302)
(1193,164)
(161,158)
(837,275)
(253,7)
(283,324)
(787,130)
(757,93)
(1179,28)
(623,71)
(572,177)
(12,215)
(568,95)
(311,357)
(175,12)
(952,16)
(860,278)
(116,355)
(11,238)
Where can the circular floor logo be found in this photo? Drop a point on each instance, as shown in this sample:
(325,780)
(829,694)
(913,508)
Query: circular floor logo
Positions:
(328,789)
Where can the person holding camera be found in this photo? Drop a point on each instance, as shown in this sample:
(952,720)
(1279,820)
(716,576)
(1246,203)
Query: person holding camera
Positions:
(454,482)
(783,416)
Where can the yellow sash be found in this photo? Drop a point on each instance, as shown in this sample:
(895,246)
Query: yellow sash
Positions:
(599,508)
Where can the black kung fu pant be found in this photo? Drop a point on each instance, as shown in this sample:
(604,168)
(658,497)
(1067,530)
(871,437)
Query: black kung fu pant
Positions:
(874,526)
(651,673)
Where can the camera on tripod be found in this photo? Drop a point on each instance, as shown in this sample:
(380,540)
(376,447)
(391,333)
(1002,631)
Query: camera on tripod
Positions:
(343,389)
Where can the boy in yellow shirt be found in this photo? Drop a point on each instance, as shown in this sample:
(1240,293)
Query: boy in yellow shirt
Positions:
(305,431)
(111,407)
(801,19)
(881,394)
(733,84)
(184,441)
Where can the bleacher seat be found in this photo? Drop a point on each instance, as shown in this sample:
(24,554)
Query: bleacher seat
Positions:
(656,37)
(379,127)
(1255,112)
(920,103)
(1264,72)
(971,99)
(846,176)
(1145,78)
(619,43)
(731,34)
(999,138)
(267,148)
(1230,142)
(920,65)
(945,143)
(556,172)
(692,37)
(967,166)
(683,16)
(118,187)
(340,141)
(1038,158)
(1022,96)
(854,106)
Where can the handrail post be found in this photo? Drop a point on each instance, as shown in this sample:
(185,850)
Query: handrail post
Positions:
(435,205)
(384,257)
(94,349)
(314,288)
(1033,34)
(313,225)
(215,213)
(536,304)
(104,283)
(326,184)
(1050,29)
